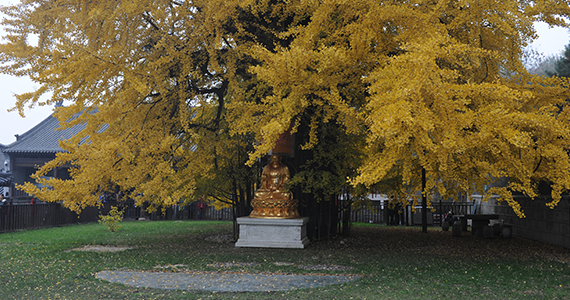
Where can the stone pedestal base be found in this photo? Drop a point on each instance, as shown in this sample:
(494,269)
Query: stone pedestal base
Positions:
(272,233)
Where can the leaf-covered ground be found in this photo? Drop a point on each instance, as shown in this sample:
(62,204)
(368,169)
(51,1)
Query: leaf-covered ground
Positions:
(440,243)
(394,262)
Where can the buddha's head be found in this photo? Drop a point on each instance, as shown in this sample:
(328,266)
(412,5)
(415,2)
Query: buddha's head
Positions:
(275,160)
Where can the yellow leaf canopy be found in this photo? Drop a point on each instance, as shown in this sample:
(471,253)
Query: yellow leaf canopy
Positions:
(164,85)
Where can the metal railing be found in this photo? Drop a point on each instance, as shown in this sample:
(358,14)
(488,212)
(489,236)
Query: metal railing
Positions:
(27,216)
(30,216)
(458,208)
(380,213)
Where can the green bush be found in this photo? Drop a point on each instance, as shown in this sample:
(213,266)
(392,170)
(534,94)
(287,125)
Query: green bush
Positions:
(113,219)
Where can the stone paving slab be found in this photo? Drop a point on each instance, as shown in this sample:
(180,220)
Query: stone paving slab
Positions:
(224,281)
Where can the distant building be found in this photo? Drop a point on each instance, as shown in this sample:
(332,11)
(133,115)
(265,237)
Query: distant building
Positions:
(30,151)
(5,175)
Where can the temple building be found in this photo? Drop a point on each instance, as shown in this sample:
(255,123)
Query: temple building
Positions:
(30,151)
(5,175)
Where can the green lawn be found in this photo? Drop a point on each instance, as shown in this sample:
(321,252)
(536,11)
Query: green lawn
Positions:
(398,263)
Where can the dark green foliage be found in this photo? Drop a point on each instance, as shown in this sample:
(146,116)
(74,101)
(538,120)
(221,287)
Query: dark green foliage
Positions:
(562,65)
(332,161)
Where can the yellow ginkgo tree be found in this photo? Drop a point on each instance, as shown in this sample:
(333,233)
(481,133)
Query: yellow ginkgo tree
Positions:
(417,86)
(445,93)
(151,80)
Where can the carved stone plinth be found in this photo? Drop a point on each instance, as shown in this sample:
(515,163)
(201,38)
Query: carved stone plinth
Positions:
(272,233)
(274,208)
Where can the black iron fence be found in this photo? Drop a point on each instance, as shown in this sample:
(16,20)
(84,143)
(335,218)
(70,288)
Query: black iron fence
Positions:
(376,213)
(379,212)
(194,211)
(26,216)
(457,208)
(29,216)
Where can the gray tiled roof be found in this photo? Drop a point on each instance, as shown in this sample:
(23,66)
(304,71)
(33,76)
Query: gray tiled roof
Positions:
(5,179)
(43,138)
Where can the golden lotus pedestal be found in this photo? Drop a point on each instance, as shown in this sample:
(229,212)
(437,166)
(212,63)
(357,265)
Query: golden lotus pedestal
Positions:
(275,208)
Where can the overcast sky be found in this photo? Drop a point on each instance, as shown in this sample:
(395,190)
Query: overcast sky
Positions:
(551,41)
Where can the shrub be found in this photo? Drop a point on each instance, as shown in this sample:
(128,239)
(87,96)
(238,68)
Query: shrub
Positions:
(113,219)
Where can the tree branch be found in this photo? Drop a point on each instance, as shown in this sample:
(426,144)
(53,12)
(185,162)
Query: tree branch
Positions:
(149,20)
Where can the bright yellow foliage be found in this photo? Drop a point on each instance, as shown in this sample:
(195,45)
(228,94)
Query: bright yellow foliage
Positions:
(146,78)
(436,94)
(112,220)
(165,85)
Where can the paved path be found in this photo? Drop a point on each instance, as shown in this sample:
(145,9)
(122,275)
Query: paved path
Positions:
(224,281)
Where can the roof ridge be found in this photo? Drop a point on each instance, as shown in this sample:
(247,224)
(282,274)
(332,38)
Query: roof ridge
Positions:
(43,137)
(31,130)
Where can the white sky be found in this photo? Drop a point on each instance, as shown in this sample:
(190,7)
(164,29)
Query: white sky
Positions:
(551,41)
(11,122)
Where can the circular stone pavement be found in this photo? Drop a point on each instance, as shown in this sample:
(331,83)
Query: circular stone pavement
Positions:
(224,281)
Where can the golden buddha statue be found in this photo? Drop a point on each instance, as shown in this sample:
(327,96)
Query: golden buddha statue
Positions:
(272,200)
(273,179)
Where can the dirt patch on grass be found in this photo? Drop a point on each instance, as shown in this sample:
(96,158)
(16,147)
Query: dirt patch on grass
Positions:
(233,264)
(325,267)
(221,238)
(101,248)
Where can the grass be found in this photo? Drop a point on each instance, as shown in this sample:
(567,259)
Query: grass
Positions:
(398,263)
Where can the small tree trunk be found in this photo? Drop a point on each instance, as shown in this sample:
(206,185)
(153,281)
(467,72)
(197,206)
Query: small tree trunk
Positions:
(424,202)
